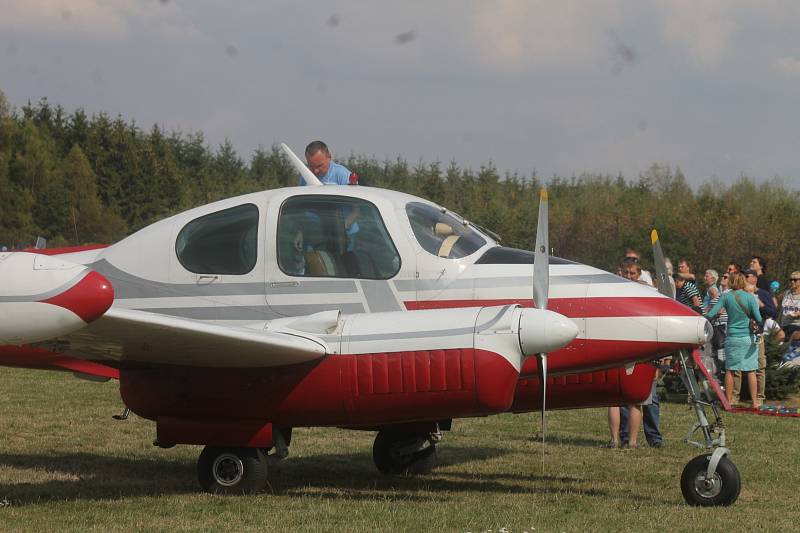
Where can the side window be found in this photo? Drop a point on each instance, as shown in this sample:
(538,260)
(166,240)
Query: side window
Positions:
(225,242)
(442,234)
(334,236)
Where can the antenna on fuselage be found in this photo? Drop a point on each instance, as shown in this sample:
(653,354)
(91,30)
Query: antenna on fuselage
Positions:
(308,176)
(541,288)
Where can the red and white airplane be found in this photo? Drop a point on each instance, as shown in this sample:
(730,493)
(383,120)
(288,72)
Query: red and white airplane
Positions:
(231,323)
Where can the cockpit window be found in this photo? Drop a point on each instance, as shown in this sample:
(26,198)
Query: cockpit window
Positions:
(441,233)
(334,236)
(225,242)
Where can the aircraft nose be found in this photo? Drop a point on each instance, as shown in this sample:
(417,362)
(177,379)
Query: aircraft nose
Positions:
(544,331)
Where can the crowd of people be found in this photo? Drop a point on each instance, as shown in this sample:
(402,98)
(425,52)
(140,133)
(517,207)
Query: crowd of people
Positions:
(743,306)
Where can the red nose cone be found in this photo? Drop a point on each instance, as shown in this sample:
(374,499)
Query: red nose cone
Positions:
(89,298)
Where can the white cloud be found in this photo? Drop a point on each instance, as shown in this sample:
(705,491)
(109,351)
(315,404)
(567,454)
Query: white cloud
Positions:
(511,35)
(703,30)
(93,19)
(788,66)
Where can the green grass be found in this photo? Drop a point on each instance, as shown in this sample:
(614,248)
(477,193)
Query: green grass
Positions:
(64,464)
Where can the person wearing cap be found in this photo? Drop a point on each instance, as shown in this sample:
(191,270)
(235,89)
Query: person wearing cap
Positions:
(741,349)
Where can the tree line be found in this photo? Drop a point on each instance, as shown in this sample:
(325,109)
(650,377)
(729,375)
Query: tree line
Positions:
(77,179)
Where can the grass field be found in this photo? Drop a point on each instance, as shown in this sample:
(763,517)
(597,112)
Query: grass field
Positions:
(66,465)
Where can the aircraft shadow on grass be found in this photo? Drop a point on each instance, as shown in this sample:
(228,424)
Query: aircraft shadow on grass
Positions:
(84,476)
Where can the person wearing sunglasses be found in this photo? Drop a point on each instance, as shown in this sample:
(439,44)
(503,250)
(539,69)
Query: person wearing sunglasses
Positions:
(790,308)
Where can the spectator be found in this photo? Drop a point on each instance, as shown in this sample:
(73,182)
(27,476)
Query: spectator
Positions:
(620,418)
(790,308)
(687,293)
(759,265)
(711,296)
(765,301)
(633,255)
(721,323)
(685,270)
(733,267)
(741,350)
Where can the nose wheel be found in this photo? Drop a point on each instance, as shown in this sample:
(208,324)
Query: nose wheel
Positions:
(706,486)
(710,479)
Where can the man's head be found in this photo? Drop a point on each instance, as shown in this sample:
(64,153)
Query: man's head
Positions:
(679,281)
(759,264)
(750,276)
(318,158)
(630,253)
(733,267)
(631,269)
(684,267)
(794,281)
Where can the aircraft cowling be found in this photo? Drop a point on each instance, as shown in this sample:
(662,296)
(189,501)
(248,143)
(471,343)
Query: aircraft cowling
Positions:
(624,330)
(383,368)
(43,297)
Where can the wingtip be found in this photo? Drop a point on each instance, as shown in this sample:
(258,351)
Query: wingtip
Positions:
(543,194)
(653,236)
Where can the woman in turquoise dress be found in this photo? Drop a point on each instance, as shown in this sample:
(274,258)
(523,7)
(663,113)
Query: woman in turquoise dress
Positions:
(741,348)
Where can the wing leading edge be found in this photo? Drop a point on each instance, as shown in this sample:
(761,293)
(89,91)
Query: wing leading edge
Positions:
(126,336)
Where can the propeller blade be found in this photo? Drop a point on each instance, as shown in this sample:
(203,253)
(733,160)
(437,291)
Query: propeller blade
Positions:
(541,288)
(663,282)
(308,176)
(541,257)
(541,364)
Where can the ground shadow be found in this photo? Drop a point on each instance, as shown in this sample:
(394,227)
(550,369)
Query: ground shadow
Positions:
(86,476)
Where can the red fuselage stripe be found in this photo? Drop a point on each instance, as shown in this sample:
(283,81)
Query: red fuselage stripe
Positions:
(588,307)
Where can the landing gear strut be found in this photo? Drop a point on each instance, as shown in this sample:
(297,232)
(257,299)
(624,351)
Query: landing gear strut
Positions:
(405,452)
(710,479)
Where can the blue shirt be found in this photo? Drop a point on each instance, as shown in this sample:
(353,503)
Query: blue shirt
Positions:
(337,175)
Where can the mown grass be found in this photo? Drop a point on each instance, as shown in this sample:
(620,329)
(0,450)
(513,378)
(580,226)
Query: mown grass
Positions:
(65,465)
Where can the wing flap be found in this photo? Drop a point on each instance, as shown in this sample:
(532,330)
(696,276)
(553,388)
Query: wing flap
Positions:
(126,335)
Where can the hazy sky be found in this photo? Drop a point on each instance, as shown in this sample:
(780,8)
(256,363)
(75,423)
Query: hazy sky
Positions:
(561,87)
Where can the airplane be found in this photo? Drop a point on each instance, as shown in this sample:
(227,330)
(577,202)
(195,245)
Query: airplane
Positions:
(231,323)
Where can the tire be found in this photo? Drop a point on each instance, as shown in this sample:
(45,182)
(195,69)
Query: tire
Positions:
(388,461)
(232,470)
(721,490)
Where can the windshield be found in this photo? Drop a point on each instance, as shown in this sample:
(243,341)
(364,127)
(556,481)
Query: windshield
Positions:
(441,233)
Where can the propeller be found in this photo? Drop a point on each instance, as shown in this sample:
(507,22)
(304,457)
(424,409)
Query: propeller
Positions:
(308,176)
(541,288)
(663,282)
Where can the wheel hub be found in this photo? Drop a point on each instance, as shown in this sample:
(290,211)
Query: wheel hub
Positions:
(228,469)
(708,487)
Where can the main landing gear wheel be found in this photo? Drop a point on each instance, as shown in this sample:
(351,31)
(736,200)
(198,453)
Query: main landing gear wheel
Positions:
(232,470)
(721,488)
(404,453)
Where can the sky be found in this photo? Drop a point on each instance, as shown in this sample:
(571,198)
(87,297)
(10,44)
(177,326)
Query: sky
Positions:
(559,88)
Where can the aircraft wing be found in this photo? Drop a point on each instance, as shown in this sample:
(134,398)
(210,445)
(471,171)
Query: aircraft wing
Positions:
(130,336)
